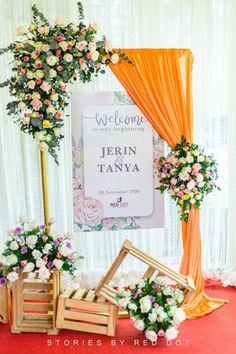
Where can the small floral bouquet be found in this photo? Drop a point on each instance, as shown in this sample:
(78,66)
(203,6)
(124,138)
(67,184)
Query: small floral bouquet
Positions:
(154,307)
(188,175)
(46,59)
(30,249)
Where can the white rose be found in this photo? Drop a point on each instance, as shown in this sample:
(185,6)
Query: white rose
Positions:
(141,283)
(14,246)
(92,46)
(145,304)
(31,241)
(173,181)
(179,295)
(29,267)
(36,254)
(171,333)
(198,196)
(123,302)
(161,281)
(167,290)
(12,276)
(58,21)
(43,146)
(199,177)
(195,152)
(58,263)
(52,73)
(151,335)
(64,250)
(201,184)
(200,158)
(192,201)
(11,260)
(182,160)
(22,219)
(191,185)
(68,57)
(114,58)
(152,317)
(21,31)
(189,159)
(94,55)
(132,307)
(179,315)
(44,273)
(139,325)
(40,263)
(161,316)
(47,248)
(39,136)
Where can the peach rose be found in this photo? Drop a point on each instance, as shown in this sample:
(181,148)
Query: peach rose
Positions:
(52,60)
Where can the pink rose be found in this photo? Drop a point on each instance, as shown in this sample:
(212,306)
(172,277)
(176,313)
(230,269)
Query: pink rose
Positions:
(185,148)
(180,194)
(78,195)
(44,237)
(176,164)
(197,166)
(52,60)
(89,211)
(161,333)
(208,173)
(46,86)
(194,172)
(182,186)
(36,104)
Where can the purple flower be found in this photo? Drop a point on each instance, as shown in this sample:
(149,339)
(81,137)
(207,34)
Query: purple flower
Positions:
(152,299)
(2,281)
(24,250)
(55,243)
(50,264)
(42,227)
(68,244)
(154,286)
(18,230)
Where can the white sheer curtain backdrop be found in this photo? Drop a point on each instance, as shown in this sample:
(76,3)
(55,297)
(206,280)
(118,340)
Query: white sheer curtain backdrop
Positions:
(208,29)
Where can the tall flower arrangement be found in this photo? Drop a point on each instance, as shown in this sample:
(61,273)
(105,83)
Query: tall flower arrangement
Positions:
(46,59)
(30,249)
(188,175)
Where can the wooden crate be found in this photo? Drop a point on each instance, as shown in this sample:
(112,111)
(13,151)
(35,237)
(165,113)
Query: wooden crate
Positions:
(82,310)
(4,305)
(154,268)
(34,304)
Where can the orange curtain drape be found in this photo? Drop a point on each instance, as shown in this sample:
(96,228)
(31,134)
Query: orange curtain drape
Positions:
(160,83)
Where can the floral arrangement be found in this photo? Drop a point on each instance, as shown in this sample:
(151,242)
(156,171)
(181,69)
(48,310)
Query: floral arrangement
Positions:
(33,250)
(154,307)
(3,279)
(46,59)
(188,175)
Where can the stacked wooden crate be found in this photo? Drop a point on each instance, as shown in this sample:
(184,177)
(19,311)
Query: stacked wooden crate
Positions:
(34,304)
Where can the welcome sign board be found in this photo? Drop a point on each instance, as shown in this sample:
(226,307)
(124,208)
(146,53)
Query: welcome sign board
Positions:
(113,153)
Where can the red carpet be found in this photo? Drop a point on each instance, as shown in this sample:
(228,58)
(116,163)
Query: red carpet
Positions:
(211,334)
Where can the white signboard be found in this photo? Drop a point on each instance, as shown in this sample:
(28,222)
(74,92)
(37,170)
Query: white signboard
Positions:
(114,150)
(118,159)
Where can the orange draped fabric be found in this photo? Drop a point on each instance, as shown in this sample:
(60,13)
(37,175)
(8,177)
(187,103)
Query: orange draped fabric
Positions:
(159,81)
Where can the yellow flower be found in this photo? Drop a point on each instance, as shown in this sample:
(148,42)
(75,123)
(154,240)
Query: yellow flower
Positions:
(39,74)
(185,197)
(38,46)
(34,115)
(46,124)
(45,47)
(51,110)
(36,96)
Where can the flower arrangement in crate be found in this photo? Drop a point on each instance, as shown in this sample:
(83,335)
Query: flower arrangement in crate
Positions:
(34,251)
(154,307)
(188,175)
(46,59)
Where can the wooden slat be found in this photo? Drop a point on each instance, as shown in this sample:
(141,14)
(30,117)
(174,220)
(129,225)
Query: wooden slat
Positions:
(101,299)
(83,305)
(113,311)
(86,317)
(37,296)
(39,316)
(38,286)
(79,294)
(67,293)
(37,307)
(90,296)
(108,297)
(112,290)
(36,324)
(85,327)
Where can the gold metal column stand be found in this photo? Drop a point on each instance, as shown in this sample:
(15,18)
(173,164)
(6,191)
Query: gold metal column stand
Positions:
(44,180)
